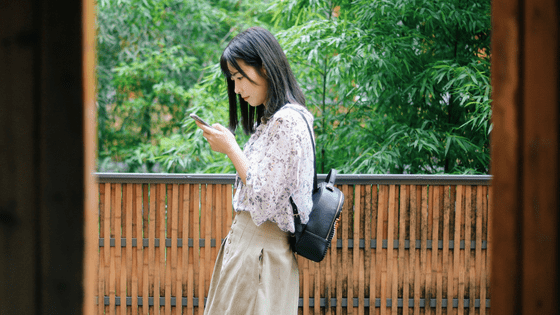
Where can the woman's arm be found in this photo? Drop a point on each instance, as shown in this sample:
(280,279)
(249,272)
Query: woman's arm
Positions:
(239,161)
(223,141)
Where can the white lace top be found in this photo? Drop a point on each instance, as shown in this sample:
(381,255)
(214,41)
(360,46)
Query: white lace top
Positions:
(280,157)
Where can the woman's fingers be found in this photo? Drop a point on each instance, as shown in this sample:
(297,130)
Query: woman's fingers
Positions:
(222,129)
(202,126)
(206,131)
(219,127)
(218,137)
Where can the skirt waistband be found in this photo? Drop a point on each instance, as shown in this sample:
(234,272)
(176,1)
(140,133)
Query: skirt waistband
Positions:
(268,229)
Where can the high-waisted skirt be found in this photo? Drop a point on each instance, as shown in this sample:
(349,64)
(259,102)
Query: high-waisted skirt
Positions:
(256,271)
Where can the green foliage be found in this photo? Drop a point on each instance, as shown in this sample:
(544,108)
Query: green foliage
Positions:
(155,58)
(398,86)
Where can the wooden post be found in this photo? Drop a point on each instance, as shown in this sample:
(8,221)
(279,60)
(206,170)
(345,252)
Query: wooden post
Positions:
(525,157)
(47,145)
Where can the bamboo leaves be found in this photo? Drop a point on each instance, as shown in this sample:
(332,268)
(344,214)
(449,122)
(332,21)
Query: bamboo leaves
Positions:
(399,86)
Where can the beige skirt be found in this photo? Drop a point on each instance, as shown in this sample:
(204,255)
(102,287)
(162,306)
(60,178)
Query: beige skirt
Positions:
(256,271)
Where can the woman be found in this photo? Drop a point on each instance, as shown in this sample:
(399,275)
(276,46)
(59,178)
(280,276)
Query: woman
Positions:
(256,271)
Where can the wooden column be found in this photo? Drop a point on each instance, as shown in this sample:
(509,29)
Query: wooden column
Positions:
(525,157)
(46,154)
(91,225)
(20,258)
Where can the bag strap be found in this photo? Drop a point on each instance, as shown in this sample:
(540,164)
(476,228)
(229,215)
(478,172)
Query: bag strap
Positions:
(297,219)
(313,144)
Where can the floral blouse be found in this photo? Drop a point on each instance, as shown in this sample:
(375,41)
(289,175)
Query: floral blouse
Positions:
(280,159)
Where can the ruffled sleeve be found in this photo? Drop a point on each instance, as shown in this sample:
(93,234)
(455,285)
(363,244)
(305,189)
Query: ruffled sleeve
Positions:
(280,166)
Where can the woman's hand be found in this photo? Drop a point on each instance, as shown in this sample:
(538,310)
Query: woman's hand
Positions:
(223,141)
(220,138)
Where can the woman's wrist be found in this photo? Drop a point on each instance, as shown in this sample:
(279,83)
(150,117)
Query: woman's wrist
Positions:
(233,150)
(239,161)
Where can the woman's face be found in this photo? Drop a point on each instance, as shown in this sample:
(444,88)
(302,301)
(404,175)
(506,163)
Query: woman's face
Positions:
(254,94)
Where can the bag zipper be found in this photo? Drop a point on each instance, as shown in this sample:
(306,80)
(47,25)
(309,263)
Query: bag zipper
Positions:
(332,223)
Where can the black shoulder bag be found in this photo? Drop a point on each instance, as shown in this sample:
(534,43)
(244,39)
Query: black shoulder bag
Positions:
(312,240)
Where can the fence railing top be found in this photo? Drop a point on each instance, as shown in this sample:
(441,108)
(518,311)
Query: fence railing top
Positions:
(341,179)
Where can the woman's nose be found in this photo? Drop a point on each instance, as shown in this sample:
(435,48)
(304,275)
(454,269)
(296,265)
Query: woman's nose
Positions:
(237,88)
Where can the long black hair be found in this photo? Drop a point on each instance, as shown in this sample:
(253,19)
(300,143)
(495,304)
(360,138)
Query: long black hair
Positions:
(259,49)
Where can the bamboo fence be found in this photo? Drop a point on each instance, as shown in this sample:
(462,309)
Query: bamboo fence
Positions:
(405,245)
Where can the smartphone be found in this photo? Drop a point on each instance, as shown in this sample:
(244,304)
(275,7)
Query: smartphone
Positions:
(200,120)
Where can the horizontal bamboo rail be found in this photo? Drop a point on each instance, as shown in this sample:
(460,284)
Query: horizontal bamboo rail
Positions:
(406,244)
